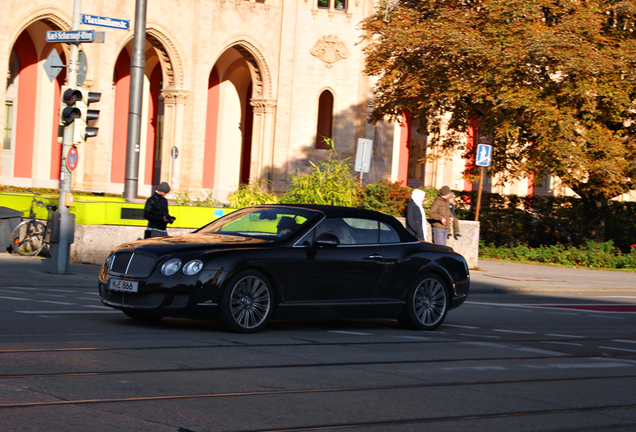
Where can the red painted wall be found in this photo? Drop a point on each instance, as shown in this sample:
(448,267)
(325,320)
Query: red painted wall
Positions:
(153,112)
(120,121)
(27,93)
(211,129)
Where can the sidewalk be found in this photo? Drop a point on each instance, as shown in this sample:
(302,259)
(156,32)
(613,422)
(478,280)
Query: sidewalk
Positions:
(504,277)
(492,276)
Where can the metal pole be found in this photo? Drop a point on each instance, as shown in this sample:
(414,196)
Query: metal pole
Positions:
(137,70)
(61,251)
(481,185)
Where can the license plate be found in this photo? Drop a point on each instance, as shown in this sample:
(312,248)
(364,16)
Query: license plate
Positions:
(122,285)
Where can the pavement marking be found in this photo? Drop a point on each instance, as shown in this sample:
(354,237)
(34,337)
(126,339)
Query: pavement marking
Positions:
(565,336)
(617,349)
(579,365)
(517,310)
(624,340)
(12,292)
(561,313)
(486,344)
(55,302)
(513,331)
(461,326)
(540,351)
(12,298)
(481,336)
(89,299)
(66,312)
(413,337)
(351,333)
(607,317)
(562,343)
(51,295)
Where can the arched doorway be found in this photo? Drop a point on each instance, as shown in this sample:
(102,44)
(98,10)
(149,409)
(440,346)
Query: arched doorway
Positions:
(229,124)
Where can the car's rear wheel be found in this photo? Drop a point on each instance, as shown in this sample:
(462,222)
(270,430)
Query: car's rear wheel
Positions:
(427,304)
(247,303)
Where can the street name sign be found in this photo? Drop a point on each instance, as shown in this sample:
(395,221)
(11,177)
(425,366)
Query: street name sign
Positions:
(74,36)
(106,22)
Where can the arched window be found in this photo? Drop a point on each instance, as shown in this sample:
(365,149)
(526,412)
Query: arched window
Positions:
(325,119)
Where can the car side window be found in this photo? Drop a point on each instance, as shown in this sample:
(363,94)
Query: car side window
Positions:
(364,231)
(337,227)
(388,234)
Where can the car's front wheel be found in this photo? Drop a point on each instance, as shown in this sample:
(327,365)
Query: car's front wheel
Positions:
(426,305)
(247,303)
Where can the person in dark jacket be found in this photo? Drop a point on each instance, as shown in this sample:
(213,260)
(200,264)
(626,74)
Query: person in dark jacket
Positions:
(156,211)
(441,217)
(415,215)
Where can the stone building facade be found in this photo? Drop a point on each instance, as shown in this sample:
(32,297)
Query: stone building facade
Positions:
(245,90)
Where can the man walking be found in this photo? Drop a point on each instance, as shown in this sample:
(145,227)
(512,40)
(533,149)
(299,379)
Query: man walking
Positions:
(441,216)
(156,211)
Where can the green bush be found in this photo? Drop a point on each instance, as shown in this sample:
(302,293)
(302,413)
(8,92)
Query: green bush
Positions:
(391,197)
(328,182)
(185,200)
(590,255)
(249,195)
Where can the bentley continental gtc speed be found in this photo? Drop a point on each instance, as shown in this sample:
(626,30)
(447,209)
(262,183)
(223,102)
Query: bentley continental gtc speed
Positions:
(287,262)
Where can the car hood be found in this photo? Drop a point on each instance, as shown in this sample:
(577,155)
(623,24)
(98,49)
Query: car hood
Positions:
(191,242)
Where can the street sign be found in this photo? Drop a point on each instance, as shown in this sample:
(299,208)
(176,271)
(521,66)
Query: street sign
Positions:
(174,152)
(72,158)
(484,155)
(363,155)
(53,65)
(106,22)
(74,36)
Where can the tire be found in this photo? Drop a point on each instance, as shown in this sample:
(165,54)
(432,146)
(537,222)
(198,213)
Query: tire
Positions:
(426,305)
(142,316)
(27,238)
(247,303)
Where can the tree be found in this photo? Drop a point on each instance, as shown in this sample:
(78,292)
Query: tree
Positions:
(551,83)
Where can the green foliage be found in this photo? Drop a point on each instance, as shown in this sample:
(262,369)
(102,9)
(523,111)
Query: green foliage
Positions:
(591,255)
(184,199)
(249,195)
(550,84)
(327,182)
(391,197)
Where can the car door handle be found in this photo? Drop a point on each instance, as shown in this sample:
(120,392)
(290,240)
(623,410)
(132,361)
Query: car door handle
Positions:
(375,257)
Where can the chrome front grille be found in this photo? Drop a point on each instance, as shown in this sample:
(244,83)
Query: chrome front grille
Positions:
(132,264)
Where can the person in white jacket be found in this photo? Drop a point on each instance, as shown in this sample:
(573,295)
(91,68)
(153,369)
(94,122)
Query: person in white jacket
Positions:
(416,216)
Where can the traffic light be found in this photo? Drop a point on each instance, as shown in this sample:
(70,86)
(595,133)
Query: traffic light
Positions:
(81,131)
(68,111)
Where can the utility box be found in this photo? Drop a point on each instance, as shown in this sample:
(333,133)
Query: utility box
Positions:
(9,219)
(54,228)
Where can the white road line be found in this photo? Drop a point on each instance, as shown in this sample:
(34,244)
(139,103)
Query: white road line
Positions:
(564,336)
(540,351)
(608,317)
(559,313)
(617,349)
(413,337)
(461,326)
(517,310)
(66,312)
(12,292)
(513,331)
(624,340)
(351,333)
(562,343)
(579,366)
(97,307)
(13,298)
(51,295)
(54,302)
(486,344)
(481,336)
(89,299)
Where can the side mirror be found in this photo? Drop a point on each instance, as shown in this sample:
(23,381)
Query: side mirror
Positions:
(327,240)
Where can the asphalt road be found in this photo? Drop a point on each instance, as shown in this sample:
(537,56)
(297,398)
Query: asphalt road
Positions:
(533,349)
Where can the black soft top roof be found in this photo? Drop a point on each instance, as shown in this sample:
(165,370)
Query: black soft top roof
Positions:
(350,212)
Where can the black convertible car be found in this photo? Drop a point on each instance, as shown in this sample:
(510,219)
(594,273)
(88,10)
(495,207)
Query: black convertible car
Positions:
(287,262)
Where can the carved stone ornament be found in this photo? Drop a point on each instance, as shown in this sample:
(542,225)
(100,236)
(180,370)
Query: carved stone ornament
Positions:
(329,49)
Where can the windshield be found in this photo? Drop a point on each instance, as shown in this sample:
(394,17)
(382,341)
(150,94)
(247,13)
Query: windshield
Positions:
(266,223)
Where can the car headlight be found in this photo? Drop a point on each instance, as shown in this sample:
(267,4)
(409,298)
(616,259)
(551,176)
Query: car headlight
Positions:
(193,267)
(171,266)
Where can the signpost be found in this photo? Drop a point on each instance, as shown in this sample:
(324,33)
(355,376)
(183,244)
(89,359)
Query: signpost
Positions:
(483,159)
(363,156)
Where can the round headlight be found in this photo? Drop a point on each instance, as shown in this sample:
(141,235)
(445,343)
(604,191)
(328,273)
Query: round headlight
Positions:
(193,267)
(171,266)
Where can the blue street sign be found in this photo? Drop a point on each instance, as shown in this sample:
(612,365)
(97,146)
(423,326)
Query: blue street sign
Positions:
(70,36)
(106,22)
(484,155)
